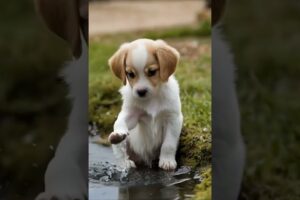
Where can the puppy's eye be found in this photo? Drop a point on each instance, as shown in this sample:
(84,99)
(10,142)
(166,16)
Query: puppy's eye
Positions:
(130,74)
(151,72)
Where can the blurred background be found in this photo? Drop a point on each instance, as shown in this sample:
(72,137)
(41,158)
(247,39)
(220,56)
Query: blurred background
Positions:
(33,103)
(185,25)
(264,37)
(265,40)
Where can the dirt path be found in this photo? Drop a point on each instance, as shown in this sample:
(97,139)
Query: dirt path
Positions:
(124,16)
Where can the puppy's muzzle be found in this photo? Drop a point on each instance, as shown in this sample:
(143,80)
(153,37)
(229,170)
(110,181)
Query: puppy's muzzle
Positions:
(142,93)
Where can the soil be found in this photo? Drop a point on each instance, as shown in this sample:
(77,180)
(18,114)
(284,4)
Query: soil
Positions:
(125,16)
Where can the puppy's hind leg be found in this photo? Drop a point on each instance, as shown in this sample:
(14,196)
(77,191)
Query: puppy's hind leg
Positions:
(172,132)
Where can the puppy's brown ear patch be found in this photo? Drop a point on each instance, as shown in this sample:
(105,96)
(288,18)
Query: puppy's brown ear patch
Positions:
(167,58)
(62,17)
(117,63)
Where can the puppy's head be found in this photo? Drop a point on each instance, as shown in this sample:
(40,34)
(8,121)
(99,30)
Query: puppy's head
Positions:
(145,64)
(66,19)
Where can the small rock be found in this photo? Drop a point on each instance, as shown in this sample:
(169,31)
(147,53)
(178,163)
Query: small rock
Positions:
(104,179)
(197,177)
(182,170)
(205,130)
(109,174)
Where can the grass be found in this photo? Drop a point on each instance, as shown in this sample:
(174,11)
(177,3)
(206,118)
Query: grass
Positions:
(202,29)
(203,190)
(194,76)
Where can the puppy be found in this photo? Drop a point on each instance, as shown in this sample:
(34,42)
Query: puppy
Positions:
(150,122)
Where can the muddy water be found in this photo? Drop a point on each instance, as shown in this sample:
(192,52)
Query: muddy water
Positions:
(108,182)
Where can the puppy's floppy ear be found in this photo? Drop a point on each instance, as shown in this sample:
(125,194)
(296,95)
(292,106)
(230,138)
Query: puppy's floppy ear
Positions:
(62,17)
(117,63)
(167,59)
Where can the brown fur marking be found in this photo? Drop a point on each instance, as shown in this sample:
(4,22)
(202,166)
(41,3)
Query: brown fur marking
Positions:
(167,59)
(117,64)
(116,138)
(62,17)
(132,81)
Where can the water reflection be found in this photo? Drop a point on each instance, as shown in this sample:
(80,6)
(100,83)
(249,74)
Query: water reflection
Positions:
(157,191)
(139,183)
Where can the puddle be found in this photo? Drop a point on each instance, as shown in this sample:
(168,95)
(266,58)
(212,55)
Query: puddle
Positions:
(108,181)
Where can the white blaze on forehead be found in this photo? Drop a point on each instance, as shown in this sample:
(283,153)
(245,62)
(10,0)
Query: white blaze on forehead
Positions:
(139,56)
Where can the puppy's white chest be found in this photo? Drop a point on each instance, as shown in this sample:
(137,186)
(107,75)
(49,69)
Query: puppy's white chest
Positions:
(153,108)
(150,119)
(153,123)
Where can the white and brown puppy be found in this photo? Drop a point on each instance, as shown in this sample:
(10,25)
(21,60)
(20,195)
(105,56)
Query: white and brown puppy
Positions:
(149,124)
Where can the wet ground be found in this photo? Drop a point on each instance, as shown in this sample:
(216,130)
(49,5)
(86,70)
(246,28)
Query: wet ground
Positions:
(109,182)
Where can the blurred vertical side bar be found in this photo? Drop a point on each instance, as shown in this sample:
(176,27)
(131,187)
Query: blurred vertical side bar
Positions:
(264,41)
(43,99)
(228,147)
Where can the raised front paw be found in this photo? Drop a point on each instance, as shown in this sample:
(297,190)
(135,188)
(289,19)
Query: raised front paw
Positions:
(167,163)
(116,138)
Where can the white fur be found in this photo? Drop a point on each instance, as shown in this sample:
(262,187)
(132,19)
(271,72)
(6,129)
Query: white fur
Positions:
(66,174)
(139,56)
(154,123)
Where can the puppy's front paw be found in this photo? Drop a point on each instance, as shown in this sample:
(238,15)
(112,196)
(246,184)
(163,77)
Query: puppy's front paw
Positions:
(126,163)
(167,163)
(116,138)
(129,164)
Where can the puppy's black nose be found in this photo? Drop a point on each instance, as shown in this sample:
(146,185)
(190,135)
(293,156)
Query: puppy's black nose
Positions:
(142,92)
